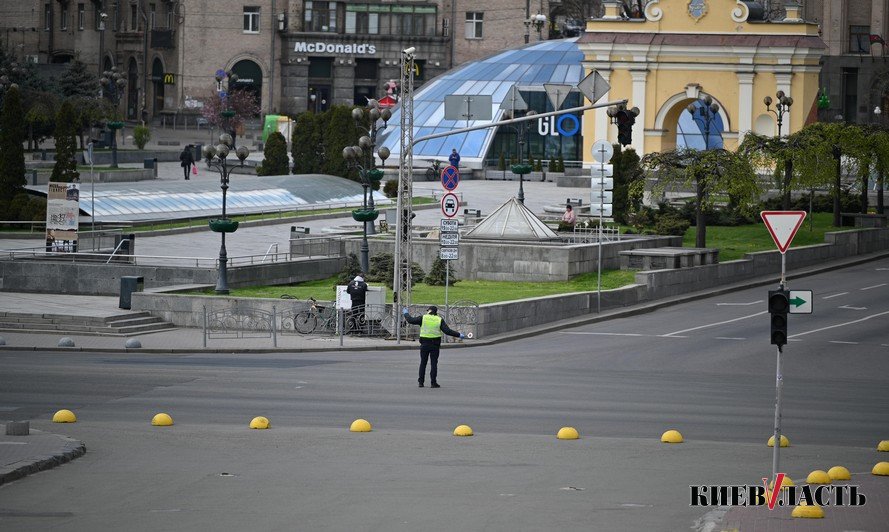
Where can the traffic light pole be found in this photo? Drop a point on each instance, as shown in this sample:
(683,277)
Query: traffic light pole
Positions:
(779,386)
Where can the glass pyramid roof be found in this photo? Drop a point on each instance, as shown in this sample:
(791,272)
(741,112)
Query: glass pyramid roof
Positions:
(512,221)
(556,61)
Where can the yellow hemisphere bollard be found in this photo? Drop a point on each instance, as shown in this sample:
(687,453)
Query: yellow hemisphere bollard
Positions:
(64,416)
(784,441)
(360,425)
(818,477)
(883,446)
(260,422)
(463,430)
(808,512)
(785,483)
(881,469)
(568,433)
(839,473)
(671,436)
(161,420)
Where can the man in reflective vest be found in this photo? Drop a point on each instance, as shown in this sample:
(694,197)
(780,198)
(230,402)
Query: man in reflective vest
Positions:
(431,328)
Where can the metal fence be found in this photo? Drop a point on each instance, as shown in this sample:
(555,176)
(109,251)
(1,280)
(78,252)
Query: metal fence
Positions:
(240,322)
(317,247)
(590,235)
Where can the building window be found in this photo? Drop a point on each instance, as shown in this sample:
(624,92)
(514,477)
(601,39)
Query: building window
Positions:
(474,25)
(366,68)
(850,94)
(251,19)
(63,19)
(859,39)
(47,17)
(152,15)
(81,16)
(363,18)
(320,17)
(321,67)
(134,21)
(362,94)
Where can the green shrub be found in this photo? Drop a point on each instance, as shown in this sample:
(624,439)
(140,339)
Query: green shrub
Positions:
(552,166)
(352,268)
(561,163)
(382,270)
(275,160)
(141,136)
(436,275)
(501,163)
(390,189)
(671,224)
(538,166)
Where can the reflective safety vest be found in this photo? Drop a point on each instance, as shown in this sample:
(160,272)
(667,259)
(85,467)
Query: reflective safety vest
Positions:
(431,327)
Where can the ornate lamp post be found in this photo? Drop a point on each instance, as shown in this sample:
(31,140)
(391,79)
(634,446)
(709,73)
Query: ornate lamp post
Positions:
(217,157)
(707,113)
(362,158)
(112,83)
(538,21)
(522,168)
(782,106)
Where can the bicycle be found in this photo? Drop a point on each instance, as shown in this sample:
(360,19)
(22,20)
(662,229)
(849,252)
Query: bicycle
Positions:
(324,319)
(433,173)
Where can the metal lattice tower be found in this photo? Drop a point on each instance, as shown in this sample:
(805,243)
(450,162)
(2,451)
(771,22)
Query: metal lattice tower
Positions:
(403,255)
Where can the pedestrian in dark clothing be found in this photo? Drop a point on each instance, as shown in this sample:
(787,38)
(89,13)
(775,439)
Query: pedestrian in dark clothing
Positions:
(357,290)
(454,158)
(186,161)
(431,328)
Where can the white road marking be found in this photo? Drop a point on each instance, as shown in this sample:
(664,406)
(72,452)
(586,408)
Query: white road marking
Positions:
(13,443)
(728,338)
(794,340)
(841,342)
(840,324)
(847,307)
(835,295)
(714,324)
(883,269)
(738,304)
(618,334)
(874,286)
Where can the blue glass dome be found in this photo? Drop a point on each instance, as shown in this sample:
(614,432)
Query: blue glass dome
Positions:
(529,67)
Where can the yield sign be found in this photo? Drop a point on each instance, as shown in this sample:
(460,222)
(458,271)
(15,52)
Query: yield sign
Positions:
(556,93)
(782,225)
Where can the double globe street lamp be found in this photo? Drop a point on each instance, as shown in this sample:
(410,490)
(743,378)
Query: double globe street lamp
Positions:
(362,158)
(707,112)
(113,83)
(782,106)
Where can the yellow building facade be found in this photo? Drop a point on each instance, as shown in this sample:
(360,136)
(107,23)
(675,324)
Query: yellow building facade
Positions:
(678,51)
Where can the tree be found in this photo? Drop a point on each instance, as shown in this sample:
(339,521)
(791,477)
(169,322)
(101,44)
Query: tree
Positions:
(339,132)
(276,161)
(65,169)
(12,154)
(711,173)
(627,173)
(242,102)
(77,81)
(306,144)
(436,275)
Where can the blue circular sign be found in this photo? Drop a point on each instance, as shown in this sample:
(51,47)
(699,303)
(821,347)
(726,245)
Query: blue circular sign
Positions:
(562,131)
(450,177)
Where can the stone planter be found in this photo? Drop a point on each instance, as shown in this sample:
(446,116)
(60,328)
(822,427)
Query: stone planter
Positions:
(554,176)
(497,175)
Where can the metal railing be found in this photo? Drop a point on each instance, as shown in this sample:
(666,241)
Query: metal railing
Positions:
(590,235)
(142,260)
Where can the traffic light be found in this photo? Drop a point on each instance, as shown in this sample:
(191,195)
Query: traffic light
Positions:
(779,306)
(625,120)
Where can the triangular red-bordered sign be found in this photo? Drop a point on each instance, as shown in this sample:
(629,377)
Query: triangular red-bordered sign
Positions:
(783,225)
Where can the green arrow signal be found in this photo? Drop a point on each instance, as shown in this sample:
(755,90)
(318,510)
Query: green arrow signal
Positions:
(797,301)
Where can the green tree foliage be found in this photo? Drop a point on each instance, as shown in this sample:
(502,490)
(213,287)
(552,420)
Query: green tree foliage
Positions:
(65,169)
(390,189)
(77,81)
(352,268)
(339,132)
(276,161)
(710,172)
(243,103)
(141,136)
(436,275)
(501,162)
(307,144)
(12,154)
(382,270)
(561,163)
(40,119)
(627,176)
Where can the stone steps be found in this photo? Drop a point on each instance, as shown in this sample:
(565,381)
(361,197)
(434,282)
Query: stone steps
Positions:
(117,325)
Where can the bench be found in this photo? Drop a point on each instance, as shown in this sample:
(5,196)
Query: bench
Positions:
(471,216)
(850,219)
(574,202)
(667,258)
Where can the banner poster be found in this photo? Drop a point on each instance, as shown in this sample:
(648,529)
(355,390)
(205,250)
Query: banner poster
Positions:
(62,213)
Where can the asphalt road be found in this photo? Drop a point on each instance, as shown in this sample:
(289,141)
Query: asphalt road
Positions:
(705,368)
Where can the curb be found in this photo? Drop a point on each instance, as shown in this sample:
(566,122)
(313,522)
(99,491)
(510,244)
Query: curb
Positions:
(72,449)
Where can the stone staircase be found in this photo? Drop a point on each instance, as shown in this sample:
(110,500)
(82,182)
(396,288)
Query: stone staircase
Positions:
(129,324)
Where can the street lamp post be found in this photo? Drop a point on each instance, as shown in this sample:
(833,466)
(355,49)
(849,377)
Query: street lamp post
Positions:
(522,168)
(112,83)
(782,107)
(355,157)
(217,157)
(537,21)
(707,112)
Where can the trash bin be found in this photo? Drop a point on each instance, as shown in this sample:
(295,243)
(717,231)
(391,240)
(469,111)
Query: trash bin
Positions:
(128,245)
(149,163)
(128,285)
(109,137)
(198,148)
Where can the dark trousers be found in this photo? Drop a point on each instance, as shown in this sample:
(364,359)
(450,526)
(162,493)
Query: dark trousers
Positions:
(186,170)
(427,352)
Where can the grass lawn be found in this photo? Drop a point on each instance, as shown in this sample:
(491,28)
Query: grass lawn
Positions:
(734,242)
(478,291)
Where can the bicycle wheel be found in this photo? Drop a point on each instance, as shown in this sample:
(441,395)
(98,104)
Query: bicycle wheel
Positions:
(305,322)
(430,174)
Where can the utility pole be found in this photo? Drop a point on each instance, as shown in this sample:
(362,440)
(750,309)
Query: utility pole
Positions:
(404,206)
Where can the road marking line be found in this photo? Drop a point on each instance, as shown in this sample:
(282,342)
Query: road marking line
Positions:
(841,342)
(606,333)
(13,443)
(714,324)
(738,304)
(883,269)
(728,338)
(874,286)
(840,324)
(847,307)
(835,295)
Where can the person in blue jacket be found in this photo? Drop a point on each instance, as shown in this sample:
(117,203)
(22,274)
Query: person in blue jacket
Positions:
(432,327)
(454,158)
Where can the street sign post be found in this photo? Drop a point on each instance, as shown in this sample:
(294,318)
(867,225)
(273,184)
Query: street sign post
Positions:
(450,177)
(602,151)
(449,253)
(448,239)
(801,301)
(593,86)
(450,205)
(449,225)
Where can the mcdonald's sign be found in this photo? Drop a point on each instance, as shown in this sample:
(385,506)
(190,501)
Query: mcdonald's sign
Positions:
(169,78)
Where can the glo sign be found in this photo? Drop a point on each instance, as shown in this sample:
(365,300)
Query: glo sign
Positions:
(565,125)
